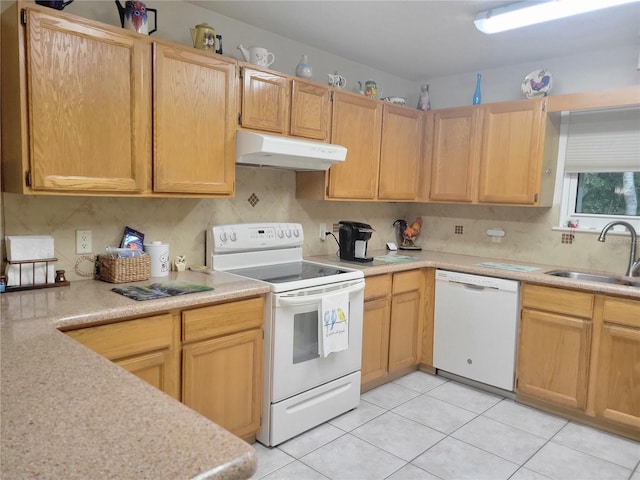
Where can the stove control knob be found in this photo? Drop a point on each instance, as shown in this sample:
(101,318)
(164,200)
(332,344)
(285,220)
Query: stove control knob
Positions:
(288,233)
(296,233)
(280,234)
(233,237)
(223,237)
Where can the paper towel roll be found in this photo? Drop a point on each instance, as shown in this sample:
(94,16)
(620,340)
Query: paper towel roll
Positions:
(159,257)
(29,247)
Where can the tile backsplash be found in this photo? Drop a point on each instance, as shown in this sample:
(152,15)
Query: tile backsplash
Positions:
(269,195)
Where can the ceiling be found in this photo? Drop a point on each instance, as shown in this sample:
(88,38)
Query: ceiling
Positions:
(417,40)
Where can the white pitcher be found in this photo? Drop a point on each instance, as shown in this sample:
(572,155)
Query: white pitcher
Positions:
(257,55)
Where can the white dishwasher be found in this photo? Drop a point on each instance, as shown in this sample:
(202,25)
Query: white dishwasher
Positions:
(476,325)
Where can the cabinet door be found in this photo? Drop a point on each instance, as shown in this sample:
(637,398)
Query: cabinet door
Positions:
(356,124)
(400,153)
(222,380)
(152,368)
(403,336)
(265,101)
(512,144)
(618,385)
(147,347)
(454,158)
(89,98)
(617,394)
(553,357)
(310,110)
(194,122)
(375,339)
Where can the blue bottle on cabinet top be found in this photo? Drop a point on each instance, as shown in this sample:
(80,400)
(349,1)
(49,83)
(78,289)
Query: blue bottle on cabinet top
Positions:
(477,96)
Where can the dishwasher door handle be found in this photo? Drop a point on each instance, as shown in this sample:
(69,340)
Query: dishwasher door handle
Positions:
(470,286)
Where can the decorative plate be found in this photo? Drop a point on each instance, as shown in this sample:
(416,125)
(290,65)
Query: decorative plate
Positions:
(537,84)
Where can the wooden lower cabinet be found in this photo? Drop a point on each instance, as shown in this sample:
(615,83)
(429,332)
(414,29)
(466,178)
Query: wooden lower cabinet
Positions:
(404,339)
(392,330)
(579,356)
(617,382)
(222,382)
(553,358)
(375,329)
(146,347)
(222,363)
(554,345)
(221,376)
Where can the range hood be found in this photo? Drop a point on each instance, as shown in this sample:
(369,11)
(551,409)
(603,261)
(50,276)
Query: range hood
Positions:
(258,149)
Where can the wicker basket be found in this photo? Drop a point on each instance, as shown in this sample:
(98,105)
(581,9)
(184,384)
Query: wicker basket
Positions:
(121,270)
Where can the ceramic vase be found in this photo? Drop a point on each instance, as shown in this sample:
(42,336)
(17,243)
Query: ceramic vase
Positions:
(424,103)
(303,69)
(477,95)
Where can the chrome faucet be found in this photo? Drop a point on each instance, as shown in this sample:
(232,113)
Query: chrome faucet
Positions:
(634,264)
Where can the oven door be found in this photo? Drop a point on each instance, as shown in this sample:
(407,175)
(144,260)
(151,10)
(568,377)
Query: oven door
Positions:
(297,364)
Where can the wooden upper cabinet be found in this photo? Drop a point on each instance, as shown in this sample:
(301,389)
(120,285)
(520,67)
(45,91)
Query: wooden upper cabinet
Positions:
(454,157)
(400,153)
(89,101)
(310,110)
(265,101)
(194,121)
(512,148)
(357,125)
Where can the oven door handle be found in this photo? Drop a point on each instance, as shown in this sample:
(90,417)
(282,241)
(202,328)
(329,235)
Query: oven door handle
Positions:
(306,299)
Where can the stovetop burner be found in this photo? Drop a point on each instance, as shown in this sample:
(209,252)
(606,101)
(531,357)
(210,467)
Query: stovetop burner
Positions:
(288,272)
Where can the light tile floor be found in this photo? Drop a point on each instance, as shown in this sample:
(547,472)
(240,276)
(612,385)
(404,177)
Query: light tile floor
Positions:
(424,427)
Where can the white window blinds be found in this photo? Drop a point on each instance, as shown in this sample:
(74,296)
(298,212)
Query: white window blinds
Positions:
(604,141)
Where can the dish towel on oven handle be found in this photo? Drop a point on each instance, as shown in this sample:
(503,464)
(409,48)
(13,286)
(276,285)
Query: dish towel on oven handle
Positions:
(334,323)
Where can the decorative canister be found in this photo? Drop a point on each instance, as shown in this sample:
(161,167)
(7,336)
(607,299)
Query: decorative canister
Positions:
(303,69)
(159,256)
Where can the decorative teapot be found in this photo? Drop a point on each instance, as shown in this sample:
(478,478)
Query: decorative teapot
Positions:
(204,37)
(133,16)
(336,80)
(370,89)
(257,55)
(57,4)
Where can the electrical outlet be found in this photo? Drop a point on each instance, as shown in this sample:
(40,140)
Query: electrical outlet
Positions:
(83,242)
(323,231)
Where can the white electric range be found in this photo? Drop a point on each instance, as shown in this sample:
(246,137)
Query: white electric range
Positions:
(310,374)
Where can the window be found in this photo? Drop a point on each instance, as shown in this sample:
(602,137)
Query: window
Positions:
(601,168)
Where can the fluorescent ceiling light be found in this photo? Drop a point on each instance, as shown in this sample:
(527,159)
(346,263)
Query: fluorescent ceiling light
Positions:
(531,12)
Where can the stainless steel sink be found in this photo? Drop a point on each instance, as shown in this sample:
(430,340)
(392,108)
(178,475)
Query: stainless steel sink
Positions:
(590,277)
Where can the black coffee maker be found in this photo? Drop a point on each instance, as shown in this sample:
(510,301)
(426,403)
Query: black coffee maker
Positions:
(353,238)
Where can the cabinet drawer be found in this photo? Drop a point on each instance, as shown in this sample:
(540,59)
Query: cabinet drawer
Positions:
(407,281)
(622,311)
(377,287)
(117,340)
(558,300)
(222,319)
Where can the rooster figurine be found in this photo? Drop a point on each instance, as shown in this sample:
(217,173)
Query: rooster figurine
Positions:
(409,233)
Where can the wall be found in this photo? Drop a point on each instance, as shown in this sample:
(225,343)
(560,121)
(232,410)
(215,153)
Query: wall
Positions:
(587,72)
(182,222)
(175,18)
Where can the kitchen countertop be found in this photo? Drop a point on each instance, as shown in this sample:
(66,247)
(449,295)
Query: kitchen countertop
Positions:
(469,264)
(69,413)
